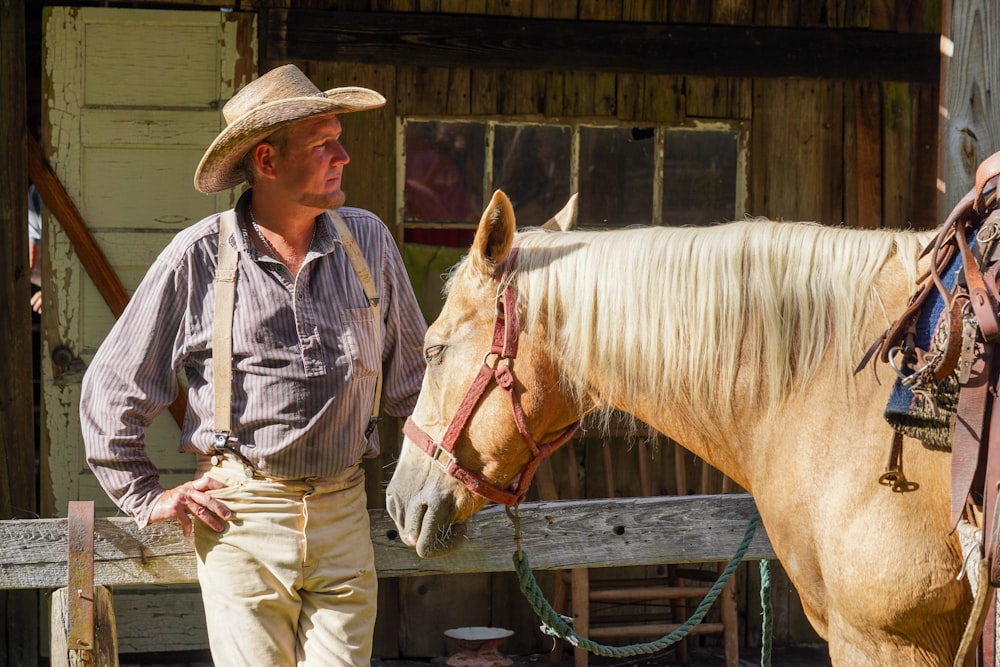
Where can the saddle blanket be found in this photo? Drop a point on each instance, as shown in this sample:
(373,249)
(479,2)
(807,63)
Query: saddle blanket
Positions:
(928,415)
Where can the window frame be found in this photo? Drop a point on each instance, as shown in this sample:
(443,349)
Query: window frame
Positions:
(740,128)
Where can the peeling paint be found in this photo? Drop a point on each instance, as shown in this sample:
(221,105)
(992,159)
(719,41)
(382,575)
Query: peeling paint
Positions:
(80,142)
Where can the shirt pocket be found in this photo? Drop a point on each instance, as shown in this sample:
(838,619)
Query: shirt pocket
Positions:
(360,341)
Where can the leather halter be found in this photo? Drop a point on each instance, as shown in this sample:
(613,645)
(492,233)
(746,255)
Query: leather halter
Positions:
(495,368)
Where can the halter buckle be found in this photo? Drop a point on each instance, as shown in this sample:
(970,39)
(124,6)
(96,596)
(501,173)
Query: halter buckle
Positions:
(444,465)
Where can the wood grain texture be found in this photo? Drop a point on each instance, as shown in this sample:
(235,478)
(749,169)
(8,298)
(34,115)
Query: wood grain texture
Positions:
(863,152)
(555,535)
(103,651)
(797,152)
(509,42)
(18,632)
(970,126)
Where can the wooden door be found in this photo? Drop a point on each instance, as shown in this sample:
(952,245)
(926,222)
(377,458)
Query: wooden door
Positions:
(132,99)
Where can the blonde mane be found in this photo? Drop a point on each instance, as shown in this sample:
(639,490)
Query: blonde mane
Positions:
(688,313)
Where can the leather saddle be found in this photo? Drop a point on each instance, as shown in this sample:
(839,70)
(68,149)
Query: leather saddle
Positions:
(962,350)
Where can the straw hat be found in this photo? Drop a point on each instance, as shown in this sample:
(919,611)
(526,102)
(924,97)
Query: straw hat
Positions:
(281,96)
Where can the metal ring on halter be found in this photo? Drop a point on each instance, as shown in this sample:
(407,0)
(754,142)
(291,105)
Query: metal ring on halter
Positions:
(497,358)
(992,233)
(906,378)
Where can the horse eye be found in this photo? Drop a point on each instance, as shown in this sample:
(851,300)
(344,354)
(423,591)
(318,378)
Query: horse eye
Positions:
(432,353)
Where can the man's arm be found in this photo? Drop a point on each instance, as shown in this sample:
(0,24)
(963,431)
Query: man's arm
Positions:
(131,379)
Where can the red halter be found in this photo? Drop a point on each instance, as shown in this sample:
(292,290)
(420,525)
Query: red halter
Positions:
(503,348)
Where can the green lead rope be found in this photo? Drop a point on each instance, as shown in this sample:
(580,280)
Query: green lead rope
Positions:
(555,625)
(765,607)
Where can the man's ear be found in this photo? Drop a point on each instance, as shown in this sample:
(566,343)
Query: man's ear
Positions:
(263,155)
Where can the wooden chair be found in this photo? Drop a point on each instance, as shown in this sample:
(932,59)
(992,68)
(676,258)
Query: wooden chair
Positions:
(583,594)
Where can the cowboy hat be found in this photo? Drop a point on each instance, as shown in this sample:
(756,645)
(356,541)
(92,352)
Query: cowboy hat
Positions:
(281,96)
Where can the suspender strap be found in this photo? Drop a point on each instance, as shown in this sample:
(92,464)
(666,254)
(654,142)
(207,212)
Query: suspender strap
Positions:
(368,284)
(222,329)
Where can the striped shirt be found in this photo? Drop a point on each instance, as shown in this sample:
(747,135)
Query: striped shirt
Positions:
(305,357)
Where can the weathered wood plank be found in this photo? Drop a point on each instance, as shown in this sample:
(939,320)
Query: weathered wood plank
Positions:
(863,153)
(501,42)
(970,114)
(421,90)
(923,199)
(897,156)
(371,139)
(714,97)
(104,649)
(18,632)
(561,534)
(797,150)
(664,102)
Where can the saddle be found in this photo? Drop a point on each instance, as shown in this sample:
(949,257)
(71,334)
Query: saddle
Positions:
(961,354)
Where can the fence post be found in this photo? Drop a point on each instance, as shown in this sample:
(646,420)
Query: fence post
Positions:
(83,616)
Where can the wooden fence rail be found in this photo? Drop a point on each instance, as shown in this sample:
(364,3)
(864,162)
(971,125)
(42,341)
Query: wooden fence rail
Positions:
(555,535)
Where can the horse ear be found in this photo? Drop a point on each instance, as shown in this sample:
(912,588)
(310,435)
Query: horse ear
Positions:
(565,219)
(495,234)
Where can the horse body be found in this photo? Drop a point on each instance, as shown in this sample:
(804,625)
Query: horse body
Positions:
(738,342)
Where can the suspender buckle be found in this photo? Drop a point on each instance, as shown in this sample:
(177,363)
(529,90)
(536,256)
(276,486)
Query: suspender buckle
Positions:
(226,443)
(372,423)
(221,440)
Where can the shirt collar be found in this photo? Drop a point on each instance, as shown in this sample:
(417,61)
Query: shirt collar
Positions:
(324,242)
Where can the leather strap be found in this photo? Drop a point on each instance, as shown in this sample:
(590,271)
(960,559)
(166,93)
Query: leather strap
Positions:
(222,327)
(992,480)
(495,369)
(364,274)
(980,295)
(977,618)
(987,171)
(973,401)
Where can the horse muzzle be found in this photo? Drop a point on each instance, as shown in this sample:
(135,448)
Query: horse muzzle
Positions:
(426,504)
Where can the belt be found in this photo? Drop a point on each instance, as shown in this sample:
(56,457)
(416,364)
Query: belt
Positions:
(207,462)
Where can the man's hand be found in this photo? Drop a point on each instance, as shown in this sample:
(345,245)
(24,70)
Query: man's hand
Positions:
(190,500)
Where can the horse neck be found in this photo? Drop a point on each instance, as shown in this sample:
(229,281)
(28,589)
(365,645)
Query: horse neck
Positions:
(639,334)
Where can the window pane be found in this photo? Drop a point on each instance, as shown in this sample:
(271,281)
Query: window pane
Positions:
(531,164)
(616,176)
(699,177)
(444,171)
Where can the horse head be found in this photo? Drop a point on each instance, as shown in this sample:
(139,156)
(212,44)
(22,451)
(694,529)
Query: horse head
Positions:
(490,407)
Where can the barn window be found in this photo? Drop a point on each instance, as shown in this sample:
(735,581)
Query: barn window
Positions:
(700,175)
(625,175)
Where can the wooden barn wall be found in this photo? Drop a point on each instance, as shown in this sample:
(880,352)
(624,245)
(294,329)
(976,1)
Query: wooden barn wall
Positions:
(857,152)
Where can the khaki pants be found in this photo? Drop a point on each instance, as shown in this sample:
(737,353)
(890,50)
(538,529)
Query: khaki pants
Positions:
(292,580)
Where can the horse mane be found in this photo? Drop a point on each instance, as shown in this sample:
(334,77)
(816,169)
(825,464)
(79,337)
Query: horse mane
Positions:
(754,303)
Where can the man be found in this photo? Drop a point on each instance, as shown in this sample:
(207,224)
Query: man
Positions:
(35,246)
(285,559)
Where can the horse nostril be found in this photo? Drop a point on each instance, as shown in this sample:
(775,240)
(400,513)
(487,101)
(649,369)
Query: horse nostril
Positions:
(392,535)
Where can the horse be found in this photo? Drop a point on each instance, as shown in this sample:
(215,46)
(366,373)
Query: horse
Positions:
(739,341)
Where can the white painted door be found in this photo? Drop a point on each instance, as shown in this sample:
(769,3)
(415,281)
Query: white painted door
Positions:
(132,99)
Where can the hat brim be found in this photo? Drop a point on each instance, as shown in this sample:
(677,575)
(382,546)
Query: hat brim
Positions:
(218,170)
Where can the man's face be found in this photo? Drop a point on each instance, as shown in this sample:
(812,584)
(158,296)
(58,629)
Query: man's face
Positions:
(312,163)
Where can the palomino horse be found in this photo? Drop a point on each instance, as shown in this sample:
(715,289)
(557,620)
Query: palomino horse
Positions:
(739,342)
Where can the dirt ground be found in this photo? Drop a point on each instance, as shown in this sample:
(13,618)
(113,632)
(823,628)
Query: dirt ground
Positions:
(790,656)
(794,656)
